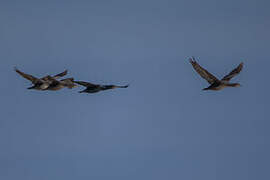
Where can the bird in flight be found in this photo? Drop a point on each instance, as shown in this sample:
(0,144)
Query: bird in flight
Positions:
(40,83)
(94,88)
(216,84)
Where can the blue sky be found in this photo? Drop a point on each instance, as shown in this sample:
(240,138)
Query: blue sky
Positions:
(163,126)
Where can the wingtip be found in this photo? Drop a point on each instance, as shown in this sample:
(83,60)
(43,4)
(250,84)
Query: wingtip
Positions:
(241,65)
(192,60)
(65,72)
(17,70)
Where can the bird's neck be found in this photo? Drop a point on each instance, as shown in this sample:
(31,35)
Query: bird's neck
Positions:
(233,84)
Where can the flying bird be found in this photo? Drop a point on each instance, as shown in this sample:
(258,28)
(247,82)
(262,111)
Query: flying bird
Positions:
(216,84)
(94,88)
(40,83)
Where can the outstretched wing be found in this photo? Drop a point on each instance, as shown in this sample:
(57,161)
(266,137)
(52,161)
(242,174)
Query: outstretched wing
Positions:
(60,74)
(68,79)
(86,84)
(27,76)
(57,76)
(203,72)
(233,72)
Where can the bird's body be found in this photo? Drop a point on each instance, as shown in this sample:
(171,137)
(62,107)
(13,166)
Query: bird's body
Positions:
(216,84)
(91,89)
(41,85)
(94,88)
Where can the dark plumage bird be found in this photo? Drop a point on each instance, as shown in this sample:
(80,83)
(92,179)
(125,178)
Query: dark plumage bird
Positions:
(216,84)
(40,83)
(94,88)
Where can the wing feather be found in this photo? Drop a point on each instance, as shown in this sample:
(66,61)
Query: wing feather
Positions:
(233,73)
(203,72)
(57,76)
(27,76)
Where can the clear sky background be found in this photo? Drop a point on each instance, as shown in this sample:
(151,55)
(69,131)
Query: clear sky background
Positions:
(163,126)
